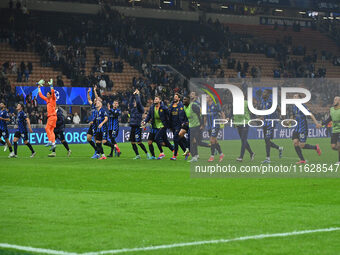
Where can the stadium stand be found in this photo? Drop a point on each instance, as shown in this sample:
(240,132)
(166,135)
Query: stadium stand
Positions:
(83,49)
(8,54)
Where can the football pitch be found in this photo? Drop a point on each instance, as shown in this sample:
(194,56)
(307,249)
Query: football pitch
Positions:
(80,205)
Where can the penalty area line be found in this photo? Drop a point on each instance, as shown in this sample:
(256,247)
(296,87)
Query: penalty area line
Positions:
(243,238)
(169,246)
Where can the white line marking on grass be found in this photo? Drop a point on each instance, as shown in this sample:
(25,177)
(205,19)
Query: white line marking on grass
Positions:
(169,246)
(176,245)
(35,250)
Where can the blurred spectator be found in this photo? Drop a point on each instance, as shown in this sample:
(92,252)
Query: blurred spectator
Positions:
(30,67)
(102,84)
(76,118)
(27,74)
(35,103)
(60,82)
(13,67)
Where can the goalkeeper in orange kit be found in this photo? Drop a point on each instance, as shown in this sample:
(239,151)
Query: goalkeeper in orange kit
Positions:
(51,102)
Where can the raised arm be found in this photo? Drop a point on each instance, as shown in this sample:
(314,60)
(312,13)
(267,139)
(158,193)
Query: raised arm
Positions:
(53,94)
(131,101)
(52,90)
(88,96)
(95,92)
(139,104)
(41,95)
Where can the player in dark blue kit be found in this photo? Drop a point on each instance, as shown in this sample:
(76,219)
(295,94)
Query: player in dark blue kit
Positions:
(113,126)
(159,116)
(151,140)
(136,113)
(22,121)
(4,118)
(59,132)
(213,112)
(269,125)
(300,132)
(101,130)
(177,118)
(90,132)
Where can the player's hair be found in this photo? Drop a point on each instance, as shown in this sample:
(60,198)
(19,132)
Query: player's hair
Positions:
(3,102)
(160,98)
(21,104)
(178,94)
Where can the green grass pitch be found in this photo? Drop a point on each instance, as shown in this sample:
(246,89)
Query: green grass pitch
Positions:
(82,205)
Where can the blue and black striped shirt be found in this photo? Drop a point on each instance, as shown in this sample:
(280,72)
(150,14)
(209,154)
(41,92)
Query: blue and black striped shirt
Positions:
(301,119)
(99,118)
(266,104)
(213,112)
(113,122)
(22,122)
(3,124)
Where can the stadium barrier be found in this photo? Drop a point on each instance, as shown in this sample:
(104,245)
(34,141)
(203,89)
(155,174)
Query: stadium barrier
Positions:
(77,134)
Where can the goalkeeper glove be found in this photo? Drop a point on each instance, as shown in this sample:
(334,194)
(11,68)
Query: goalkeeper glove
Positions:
(41,82)
(50,83)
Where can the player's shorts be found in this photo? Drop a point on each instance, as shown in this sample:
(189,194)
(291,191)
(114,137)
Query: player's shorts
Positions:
(152,134)
(23,135)
(176,131)
(195,132)
(135,135)
(52,121)
(185,127)
(114,133)
(268,132)
(301,136)
(214,131)
(90,131)
(161,135)
(59,134)
(4,133)
(243,131)
(335,138)
(101,134)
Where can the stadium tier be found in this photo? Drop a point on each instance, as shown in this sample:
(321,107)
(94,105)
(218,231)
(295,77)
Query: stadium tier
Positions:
(15,58)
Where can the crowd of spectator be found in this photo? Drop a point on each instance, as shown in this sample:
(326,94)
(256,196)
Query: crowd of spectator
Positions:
(332,28)
(197,49)
(22,71)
